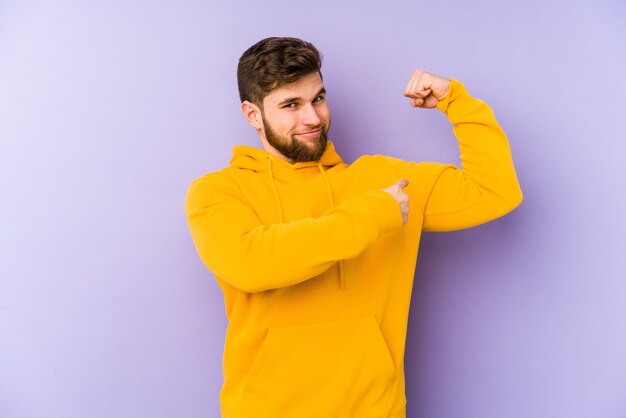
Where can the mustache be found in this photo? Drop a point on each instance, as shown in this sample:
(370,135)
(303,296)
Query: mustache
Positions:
(322,127)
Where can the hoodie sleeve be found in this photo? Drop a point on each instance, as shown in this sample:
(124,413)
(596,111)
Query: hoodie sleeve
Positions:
(486,187)
(251,256)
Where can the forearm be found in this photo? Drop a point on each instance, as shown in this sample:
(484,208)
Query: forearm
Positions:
(253,257)
(486,186)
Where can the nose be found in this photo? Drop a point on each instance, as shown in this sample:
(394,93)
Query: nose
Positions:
(309,116)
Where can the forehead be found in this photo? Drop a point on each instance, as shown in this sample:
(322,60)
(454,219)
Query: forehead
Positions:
(307,87)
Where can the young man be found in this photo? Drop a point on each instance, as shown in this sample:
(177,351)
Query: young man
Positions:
(316,257)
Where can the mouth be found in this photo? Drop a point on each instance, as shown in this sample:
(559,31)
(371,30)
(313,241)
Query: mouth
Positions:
(310,134)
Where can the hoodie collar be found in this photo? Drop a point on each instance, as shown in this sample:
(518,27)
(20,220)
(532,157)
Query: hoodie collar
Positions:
(255,159)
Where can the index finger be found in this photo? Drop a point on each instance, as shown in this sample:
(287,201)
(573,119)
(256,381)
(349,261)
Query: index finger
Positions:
(402,183)
(411,85)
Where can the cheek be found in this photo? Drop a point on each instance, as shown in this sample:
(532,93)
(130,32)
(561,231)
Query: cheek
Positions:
(324,113)
(286,124)
(279,123)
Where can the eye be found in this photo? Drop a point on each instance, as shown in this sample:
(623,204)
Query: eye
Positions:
(289,106)
(318,99)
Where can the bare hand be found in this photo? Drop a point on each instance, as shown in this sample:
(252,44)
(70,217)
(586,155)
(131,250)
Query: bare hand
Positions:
(426,90)
(402,198)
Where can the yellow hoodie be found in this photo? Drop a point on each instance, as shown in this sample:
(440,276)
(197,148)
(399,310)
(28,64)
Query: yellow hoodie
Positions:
(317,268)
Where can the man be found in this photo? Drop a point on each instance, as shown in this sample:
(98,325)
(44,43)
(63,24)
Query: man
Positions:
(316,257)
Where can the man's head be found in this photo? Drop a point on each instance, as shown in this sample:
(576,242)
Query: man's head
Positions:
(283,97)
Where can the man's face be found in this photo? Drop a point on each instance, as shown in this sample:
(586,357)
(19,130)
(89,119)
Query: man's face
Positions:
(296,119)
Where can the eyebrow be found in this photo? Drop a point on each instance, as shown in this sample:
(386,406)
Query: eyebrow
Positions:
(298,99)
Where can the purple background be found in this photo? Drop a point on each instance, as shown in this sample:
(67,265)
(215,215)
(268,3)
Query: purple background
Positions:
(108,111)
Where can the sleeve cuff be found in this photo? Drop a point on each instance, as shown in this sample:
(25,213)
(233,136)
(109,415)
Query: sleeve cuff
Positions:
(456,88)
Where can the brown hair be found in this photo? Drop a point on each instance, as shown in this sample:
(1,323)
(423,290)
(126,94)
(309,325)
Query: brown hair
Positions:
(272,62)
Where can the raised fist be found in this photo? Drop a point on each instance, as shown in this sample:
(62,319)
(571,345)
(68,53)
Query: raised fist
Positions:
(425,89)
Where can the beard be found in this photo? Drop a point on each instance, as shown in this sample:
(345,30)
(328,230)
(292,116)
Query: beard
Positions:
(294,150)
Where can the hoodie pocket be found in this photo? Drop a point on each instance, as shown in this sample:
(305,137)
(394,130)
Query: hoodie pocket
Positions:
(340,369)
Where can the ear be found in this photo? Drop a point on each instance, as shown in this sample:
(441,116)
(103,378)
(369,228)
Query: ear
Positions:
(253,115)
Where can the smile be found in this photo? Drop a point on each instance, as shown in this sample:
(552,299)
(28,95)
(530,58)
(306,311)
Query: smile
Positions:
(310,134)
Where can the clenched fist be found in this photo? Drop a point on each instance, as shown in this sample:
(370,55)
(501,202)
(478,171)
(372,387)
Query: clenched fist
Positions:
(402,198)
(425,89)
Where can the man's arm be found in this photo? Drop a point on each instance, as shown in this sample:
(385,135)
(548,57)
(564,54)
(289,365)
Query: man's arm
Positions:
(240,250)
(486,187)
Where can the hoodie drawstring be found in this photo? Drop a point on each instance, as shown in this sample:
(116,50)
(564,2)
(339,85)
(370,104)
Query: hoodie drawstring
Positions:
(342,279)
(276,196)
(270,172)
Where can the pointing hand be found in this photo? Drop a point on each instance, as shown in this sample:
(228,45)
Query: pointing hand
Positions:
(402,198)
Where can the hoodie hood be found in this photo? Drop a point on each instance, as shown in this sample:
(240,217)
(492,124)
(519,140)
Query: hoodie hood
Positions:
(255,159)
